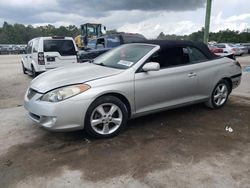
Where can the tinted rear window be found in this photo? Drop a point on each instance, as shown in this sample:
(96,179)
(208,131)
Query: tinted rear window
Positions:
(64,47)
(196,55)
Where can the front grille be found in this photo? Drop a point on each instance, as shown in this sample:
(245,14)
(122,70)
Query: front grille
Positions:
(31,93)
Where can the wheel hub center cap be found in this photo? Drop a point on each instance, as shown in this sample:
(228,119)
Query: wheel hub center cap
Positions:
(106,120)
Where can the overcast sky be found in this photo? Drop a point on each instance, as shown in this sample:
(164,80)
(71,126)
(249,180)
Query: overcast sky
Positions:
(148,17)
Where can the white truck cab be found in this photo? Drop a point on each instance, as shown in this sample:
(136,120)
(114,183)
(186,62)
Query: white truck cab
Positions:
(46,53)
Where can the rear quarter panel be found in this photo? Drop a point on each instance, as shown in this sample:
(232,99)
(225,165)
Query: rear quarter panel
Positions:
(211,72)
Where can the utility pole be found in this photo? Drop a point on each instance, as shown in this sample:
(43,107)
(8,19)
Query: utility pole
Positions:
(207,21)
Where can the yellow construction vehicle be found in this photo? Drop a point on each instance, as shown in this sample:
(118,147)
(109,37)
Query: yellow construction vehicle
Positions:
(88,31)
(78,41)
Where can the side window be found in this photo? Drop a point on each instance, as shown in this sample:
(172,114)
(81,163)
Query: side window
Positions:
(29,47)
(100,44)
(196,55)
(170,57)
(174,57)
(113,41)
(35,46)
(155,57)
(91,44)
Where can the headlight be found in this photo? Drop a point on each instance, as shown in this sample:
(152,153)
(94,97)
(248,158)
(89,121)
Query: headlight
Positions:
(63,93)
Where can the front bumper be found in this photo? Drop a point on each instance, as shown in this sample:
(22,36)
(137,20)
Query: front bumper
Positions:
(67,115)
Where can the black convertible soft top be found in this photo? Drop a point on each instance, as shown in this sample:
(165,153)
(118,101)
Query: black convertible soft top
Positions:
(183,43)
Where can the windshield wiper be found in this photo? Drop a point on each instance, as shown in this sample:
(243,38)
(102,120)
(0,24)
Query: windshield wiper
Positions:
(101,64)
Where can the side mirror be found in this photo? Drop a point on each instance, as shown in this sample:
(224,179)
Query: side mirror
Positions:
(151,66)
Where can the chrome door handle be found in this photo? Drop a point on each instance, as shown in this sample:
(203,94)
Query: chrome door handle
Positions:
(192,74)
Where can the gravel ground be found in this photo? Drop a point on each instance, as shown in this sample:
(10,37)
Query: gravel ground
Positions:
(186,147)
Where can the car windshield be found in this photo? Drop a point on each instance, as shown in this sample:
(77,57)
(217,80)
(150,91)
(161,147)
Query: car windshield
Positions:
(123,57)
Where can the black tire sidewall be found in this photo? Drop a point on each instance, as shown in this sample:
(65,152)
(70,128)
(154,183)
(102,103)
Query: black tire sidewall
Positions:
(212,96)
(24,69)
(34,74)
(99,101)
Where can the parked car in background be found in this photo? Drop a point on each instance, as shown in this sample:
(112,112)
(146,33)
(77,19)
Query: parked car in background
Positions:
(3,49)
(129,81)
(14,49)
(229,48)
(247,45)
(228,55)
(215,49)
(45,53)
(243,49)
(22,49)
(104,43)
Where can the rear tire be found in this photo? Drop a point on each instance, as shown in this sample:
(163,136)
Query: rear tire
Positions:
(34,73)
(219,95)
(24,69)
(106,117)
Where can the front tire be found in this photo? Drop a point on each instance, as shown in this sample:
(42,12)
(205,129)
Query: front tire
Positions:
(106,117)
(219,96)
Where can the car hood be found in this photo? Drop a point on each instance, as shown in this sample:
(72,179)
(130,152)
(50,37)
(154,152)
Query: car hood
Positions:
(79,73)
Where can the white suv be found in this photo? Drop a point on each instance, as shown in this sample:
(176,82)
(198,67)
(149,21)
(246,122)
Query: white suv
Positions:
(46,53)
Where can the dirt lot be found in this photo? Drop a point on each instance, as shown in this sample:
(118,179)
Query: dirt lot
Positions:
(187,147)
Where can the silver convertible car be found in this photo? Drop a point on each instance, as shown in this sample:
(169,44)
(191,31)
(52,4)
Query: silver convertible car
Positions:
(130,81)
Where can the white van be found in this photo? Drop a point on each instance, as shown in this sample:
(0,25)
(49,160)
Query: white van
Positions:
(46,53)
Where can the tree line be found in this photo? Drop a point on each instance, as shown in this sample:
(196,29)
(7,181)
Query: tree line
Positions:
(227,36)
(21,34)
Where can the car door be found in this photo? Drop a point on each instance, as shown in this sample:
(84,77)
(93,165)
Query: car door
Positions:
(206,70)
(174,84)
(28,56)
(25,58)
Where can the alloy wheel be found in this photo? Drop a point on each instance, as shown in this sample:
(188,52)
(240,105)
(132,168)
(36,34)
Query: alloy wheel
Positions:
(220,94)
(106,118)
